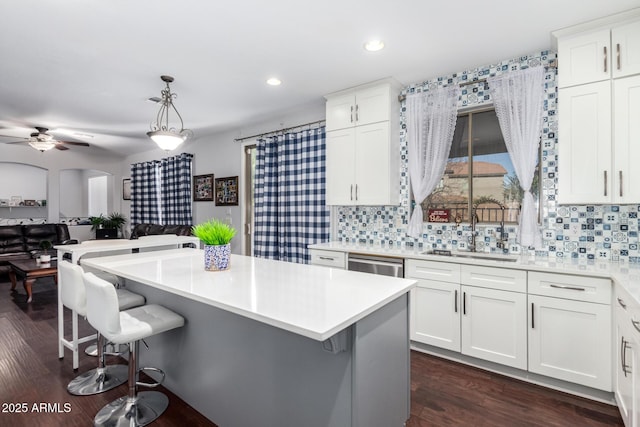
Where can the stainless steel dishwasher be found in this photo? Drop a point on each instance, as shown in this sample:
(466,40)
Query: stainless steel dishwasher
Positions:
(385,266)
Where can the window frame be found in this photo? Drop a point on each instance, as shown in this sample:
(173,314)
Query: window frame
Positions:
(470,111)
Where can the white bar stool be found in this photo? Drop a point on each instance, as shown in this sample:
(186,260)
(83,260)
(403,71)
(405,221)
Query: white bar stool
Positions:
(73,295)
(122,327)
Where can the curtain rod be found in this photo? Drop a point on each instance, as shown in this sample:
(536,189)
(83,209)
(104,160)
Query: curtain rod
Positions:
(276,132)
(552,64)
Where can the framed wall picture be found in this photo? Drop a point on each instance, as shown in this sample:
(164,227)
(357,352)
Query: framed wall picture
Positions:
(227,191)
(203,188)
(126,189)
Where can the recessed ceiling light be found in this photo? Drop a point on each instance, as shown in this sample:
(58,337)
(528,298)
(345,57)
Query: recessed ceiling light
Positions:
(374,45)
(274,82)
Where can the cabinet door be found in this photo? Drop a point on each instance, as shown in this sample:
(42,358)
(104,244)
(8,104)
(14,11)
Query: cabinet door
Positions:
(624,367)
(340,112)
(373,165)
(340,173)
(494,325)
(626,115)
(625,43)
(435,314)
(584,58)
(570,340)
(584,144)
(372,105)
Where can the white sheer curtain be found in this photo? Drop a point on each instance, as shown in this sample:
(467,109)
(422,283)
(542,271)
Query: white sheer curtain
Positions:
(431,120)
(518,99)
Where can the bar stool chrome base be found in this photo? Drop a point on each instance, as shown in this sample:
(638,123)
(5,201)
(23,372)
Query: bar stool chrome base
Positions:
(91,350)
(98,380)
(141,410)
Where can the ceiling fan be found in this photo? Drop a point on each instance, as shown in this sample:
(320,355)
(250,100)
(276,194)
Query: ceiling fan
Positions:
(42,141)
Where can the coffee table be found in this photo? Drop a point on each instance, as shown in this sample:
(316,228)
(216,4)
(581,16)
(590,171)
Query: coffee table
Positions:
(30,270)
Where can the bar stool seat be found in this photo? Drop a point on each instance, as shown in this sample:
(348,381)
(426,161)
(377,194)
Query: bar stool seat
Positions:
(130,326)
(73,294)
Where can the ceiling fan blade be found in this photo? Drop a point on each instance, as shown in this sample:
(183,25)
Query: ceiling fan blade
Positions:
(83,144)
(61,147)
(13,136)
(17,142)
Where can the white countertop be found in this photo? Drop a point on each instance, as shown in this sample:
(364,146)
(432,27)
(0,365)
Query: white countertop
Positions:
(313,301)
(627,275)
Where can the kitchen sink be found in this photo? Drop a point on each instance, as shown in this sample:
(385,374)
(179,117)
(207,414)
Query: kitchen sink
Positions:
(473,255)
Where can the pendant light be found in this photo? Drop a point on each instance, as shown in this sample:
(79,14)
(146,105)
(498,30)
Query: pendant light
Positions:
(162,133)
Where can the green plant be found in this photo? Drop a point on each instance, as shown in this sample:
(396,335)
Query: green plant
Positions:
(114,220)
(45,245)
(214,232)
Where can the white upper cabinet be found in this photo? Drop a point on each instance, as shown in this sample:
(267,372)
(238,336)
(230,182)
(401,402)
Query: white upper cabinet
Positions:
(625,42)
(597,55)
(598,101)
(359,107)
(584,58)
(363,166)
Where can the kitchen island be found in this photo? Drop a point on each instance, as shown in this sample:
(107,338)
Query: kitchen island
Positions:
(272,343)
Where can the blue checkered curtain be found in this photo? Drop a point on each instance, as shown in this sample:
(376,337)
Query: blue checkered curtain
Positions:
(145,197)
(290,210)
(175,178)
(161,191)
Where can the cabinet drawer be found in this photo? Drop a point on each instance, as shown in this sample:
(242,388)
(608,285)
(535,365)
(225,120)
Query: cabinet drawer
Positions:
(432,270)
(579,288)
(328,258)
(496,278)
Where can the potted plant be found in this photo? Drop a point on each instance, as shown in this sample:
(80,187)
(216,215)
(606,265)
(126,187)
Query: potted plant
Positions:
(114,221)
(216,236)
(45,245)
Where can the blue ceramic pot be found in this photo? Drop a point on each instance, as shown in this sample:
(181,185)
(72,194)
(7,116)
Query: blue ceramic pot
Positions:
(217,257)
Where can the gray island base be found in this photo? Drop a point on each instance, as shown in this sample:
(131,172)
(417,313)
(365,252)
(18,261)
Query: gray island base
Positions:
(242,361)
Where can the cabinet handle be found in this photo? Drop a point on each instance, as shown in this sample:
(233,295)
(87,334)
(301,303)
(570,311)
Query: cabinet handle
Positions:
(635,324)
(464,303)
(351,192)
(569,288)
(356,191)
(620,173)
(352,114)
(533,323)
(605,59)
(326,258)
(622,304)
(618,54)
(623,356)
(357,108)
(605,183)
(455,301)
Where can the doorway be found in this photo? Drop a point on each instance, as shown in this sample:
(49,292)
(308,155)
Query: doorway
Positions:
(249,167)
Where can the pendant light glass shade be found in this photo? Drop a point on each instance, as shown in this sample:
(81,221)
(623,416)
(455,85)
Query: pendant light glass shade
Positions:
(162,133)
(42,145)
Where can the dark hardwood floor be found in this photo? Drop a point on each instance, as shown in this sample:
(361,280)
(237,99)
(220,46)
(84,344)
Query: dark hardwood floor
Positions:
(443,393)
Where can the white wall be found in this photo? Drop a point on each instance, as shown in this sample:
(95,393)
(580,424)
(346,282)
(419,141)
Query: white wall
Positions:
(54,161)
(27,181)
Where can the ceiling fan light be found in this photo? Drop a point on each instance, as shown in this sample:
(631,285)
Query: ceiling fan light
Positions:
(42,145)
(166,140)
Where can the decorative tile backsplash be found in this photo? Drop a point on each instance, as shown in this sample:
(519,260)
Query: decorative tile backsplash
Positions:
(582,232)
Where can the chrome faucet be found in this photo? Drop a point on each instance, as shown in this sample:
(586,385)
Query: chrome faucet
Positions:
(472,238)
(502,240)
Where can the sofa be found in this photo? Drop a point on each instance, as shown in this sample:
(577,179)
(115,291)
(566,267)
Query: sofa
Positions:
(23,241)
(141,230)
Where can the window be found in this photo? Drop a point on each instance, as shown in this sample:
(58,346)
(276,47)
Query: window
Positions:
(479,169)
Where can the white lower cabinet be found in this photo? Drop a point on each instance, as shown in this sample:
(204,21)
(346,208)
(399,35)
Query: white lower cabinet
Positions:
(493,325)
(556,325)
(334,259)
(570,328)
(568,340)
(627,358)
(436,314)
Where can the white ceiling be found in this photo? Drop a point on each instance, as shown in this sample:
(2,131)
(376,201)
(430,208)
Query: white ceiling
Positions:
(88,66)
